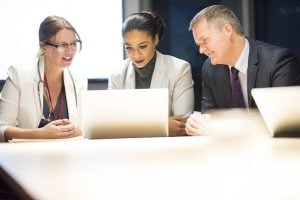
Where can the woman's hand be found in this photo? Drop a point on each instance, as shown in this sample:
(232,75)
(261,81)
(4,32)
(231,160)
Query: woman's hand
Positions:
(62,128)
(177,125)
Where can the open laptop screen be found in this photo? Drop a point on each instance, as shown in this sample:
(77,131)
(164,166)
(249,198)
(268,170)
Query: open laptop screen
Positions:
(280,109)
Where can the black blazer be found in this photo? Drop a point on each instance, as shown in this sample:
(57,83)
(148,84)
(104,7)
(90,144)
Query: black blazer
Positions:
(268,66)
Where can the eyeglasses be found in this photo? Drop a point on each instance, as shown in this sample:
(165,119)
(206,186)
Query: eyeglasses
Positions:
(64,47)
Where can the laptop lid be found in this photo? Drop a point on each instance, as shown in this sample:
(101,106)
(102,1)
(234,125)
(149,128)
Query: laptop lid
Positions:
(280,109)
(125,113)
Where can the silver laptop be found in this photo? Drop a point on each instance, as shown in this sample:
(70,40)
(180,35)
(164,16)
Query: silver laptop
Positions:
(280,109)
(126,113)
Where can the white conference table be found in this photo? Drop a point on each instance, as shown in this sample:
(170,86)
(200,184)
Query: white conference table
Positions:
(156,168)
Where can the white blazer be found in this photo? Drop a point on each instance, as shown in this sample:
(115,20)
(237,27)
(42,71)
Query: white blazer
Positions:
(21,99)
(169,72)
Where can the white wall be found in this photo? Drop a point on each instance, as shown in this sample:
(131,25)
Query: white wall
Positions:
(97,22)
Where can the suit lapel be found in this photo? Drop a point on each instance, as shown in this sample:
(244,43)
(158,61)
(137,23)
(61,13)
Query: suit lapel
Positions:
(158,76)
(252,70)
(224,76)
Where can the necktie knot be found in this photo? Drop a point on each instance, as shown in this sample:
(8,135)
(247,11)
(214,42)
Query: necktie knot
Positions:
(234,73)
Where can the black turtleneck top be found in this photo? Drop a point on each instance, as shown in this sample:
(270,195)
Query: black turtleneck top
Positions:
(143,76)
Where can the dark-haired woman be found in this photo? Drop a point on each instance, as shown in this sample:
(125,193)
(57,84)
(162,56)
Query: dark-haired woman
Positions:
(148,68)
(42,101)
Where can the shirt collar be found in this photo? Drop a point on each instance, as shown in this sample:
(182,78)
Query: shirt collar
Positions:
(242,62)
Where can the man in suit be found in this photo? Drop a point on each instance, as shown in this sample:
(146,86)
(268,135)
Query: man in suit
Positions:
(219,35)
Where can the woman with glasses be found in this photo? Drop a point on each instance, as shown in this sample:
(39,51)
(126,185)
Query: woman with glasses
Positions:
(148,68)
(42,101)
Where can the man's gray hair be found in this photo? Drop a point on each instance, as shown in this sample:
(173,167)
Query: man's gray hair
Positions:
(218,15)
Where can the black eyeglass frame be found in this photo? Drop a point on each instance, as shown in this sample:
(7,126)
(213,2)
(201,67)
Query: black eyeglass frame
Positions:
(63,45)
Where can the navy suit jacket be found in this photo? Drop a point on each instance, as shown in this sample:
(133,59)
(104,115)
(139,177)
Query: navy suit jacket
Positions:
(268,66)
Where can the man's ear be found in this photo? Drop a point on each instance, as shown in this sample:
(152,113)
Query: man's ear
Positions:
(228,29)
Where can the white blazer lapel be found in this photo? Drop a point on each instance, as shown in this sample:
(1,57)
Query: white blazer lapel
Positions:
(129,82)
(71,95)
(158,76)
(38,87)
